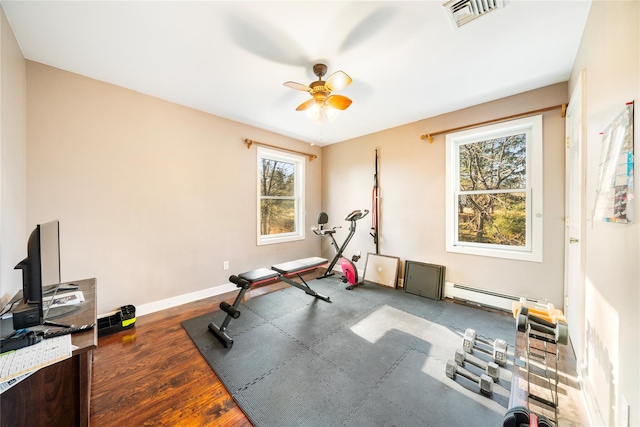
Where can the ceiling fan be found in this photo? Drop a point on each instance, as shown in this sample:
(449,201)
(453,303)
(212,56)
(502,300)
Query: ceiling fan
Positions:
(323,103)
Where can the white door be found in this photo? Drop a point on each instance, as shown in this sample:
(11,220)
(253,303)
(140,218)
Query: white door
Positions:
(574,190)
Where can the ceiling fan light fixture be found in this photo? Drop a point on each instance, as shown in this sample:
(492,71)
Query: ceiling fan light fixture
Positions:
(314,113)
(321,112)
(323,106)
(330,112)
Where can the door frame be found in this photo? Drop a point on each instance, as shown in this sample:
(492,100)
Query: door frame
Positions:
(575,188)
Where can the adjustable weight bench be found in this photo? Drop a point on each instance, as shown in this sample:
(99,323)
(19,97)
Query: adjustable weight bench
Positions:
(263,275)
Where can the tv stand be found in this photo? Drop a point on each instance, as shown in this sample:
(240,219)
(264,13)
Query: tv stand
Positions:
(58,395)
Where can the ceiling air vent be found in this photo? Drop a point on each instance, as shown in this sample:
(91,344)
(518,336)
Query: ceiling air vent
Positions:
(464,11)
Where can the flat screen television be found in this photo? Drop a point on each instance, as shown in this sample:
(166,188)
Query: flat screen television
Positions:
(40,272)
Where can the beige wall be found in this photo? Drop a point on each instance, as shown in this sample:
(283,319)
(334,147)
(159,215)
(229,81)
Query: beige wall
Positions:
(13,241)
(610,55)
(412,186)
(152,197)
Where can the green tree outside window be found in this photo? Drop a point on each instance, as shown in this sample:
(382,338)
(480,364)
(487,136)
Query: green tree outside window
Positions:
(492,191)
(277,197)
(280,196)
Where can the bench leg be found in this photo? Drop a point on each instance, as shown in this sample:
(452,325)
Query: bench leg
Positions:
(306,288)
(232,313)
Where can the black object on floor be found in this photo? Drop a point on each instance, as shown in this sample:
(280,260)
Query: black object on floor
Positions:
(372,358)
(424,279)
(123,318)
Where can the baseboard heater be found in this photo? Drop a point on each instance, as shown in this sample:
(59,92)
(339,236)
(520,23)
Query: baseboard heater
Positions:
(479,296)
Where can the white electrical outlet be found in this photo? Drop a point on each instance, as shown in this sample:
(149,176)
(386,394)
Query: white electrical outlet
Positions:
(379,268)
(225,265)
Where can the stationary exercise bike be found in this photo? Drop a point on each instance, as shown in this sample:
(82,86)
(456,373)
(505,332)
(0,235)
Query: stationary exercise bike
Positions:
(349,270)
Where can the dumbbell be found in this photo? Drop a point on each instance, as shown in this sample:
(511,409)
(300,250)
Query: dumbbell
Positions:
(546,312)
(535,304)
(484,381)
(498,347)
(559,330)
(528,312)
(519,416)
(490,368)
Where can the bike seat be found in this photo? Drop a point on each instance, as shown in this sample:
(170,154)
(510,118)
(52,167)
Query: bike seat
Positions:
(323,218)
(323,232)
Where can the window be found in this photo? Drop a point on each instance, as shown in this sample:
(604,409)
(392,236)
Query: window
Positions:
(280,196)
(494,190)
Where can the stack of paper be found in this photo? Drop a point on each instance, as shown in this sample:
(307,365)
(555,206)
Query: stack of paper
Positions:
(19,364)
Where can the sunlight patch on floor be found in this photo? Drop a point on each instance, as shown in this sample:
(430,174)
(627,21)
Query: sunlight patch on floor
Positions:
(386,318)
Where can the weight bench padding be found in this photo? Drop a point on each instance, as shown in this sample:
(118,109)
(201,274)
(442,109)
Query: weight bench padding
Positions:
(299,265)
(259,275)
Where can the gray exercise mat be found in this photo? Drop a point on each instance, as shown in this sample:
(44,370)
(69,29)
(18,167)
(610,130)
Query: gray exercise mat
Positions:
(374,356)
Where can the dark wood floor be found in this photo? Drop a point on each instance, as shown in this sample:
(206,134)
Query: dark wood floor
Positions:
(153,375)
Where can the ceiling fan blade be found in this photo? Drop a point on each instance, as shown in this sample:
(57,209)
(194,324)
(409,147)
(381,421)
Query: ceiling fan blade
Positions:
(297,86)
(338,101)
(338,81)
(306,104)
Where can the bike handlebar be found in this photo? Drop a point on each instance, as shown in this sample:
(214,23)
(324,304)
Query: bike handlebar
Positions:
(356,215)
(353,216)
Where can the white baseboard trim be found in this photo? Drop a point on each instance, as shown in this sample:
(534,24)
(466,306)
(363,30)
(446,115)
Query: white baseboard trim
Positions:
(590,401)
(479,296)
(152,307)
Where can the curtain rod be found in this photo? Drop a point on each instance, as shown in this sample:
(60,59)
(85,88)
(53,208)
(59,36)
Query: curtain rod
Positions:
(249,142)
(430,136)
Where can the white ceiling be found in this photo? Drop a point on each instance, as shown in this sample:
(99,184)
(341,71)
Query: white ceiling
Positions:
(231,58)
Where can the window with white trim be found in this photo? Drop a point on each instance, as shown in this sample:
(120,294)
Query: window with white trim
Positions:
(494,190)
(280,196)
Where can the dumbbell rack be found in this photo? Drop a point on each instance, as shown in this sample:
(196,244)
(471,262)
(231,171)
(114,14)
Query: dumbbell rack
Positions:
(543,355)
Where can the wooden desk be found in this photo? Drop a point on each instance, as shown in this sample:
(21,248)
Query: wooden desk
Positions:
(58,395)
